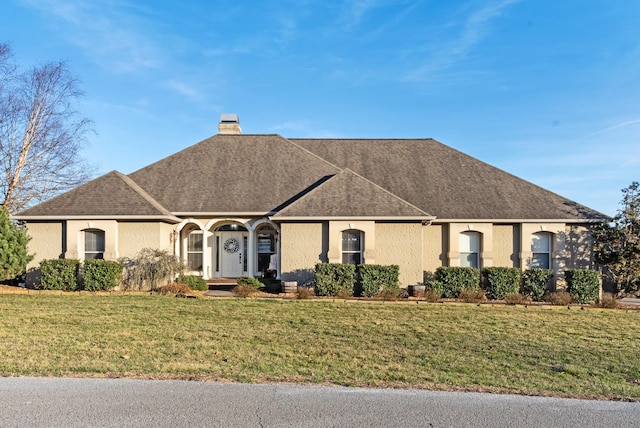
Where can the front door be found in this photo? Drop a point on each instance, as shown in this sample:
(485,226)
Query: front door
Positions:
(233,253)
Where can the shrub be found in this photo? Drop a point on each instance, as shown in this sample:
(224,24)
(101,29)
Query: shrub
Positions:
(149,269)
(374,278)
(608,301)
(455,278)
(558,298)
(334,278)
(583,285)
(435,287)
(194,282)
(472,295)
(389,293)
(304,293)
(250,282)
(59,274)
(499,282)
(431,295)
(101,275)
(535,282)
(245,290)
(174,288)
(516,299)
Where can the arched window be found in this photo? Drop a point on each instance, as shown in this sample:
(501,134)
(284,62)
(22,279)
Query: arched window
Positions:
(470,249)
(93,244)
(352,247)
(194,250)
(541,245)
(266,238)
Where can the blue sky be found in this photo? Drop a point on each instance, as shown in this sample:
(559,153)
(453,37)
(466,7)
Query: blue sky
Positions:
(547,90)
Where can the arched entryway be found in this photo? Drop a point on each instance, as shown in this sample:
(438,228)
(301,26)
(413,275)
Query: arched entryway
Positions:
(230,251)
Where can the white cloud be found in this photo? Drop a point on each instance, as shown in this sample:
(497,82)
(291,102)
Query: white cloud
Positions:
(108,33)
(473,30)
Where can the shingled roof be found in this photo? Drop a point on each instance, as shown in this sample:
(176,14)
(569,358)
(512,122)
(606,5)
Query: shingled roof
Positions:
(269,174)
(111,195)
(233,174)
(446,182)
(346,195)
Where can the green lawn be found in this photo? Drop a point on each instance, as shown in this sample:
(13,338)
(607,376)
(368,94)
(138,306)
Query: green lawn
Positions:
(590,353)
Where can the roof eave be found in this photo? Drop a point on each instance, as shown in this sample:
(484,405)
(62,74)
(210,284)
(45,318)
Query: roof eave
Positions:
(362,218)
(170,219)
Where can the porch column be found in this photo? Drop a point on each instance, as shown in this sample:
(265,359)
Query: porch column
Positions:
(206,254)
(251,250)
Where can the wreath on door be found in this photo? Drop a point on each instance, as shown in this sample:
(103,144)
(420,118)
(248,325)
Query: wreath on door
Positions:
(231,245)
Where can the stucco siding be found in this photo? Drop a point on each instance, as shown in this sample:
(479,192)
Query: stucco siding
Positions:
(134,236)
(434,247)
(401,244)
(46,242)
(506,245)
(578,247)
(302,247)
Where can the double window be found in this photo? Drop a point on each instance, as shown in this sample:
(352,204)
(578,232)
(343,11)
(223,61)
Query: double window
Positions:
(352,247)
(541,250)
(93,244)
(470,249)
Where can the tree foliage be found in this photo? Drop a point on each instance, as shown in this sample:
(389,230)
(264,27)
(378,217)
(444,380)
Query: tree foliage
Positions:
(41,132)
(13,247)
(617,245)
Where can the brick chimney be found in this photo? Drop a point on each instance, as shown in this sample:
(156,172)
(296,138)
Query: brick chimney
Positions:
(229,124)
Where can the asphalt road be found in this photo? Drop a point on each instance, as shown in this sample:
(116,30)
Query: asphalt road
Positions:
(52,402)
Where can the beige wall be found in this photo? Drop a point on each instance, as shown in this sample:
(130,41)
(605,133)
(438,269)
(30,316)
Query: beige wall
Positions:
(434,246)
(46,243)
(400,244)
(506,245)
(578,244)
(134,236)
(302,247)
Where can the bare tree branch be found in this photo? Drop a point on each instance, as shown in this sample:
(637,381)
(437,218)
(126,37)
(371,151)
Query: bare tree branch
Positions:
(41,132)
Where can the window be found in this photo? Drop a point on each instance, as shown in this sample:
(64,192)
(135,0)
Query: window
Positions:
(470,249)
(93,244)
(194,250)
(541,249)
(352,244)
(266,246)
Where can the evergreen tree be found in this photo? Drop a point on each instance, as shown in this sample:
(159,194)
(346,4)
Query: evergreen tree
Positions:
(617,245)
(13,247)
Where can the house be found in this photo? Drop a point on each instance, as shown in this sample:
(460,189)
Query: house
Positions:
(237,204)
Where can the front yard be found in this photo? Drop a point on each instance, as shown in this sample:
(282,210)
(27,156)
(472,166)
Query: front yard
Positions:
(590,353)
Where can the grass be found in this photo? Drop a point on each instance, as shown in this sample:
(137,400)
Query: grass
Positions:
(590,353)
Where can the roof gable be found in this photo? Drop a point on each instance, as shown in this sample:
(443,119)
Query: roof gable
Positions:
(233,174)
(347,194)
(111,195)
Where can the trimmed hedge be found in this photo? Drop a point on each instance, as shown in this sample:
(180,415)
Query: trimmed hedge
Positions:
(101,275)
(535,282)
(435,285)
(499,282)
(374,278)
(333,278)
(454,279)
(194,282)
(59,274)
(583,284)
